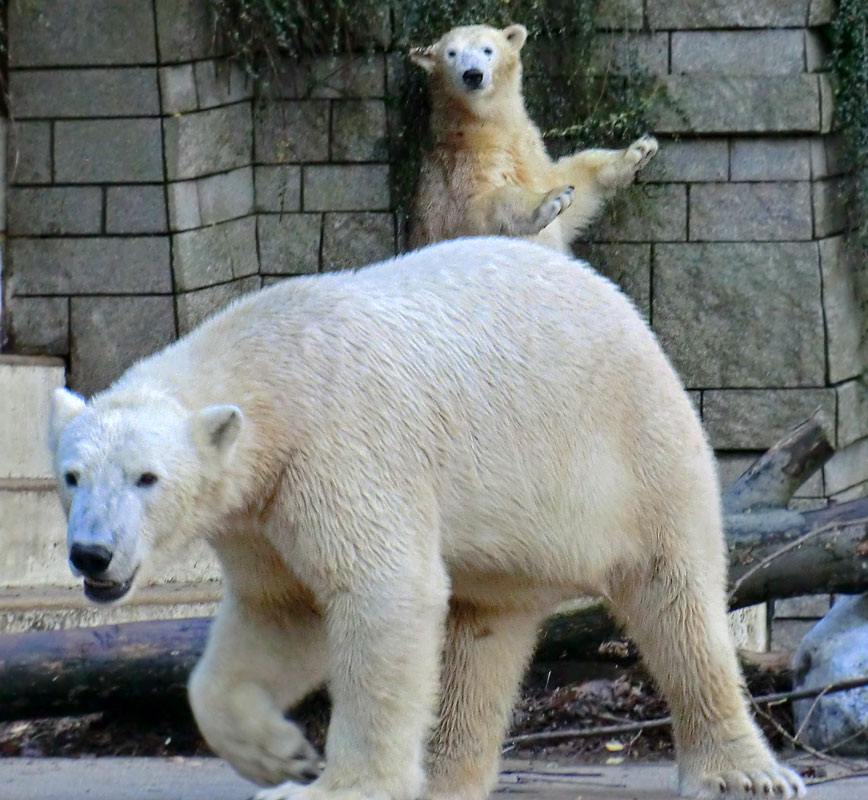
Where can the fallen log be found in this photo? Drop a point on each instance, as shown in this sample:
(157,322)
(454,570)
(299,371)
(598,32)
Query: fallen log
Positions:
(774,553)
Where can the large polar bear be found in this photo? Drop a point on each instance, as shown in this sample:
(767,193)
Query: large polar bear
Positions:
(488,171)
(403,470)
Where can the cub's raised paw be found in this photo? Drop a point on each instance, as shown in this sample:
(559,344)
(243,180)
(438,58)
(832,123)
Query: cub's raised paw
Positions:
(773,781)
(554,203)
(641,152)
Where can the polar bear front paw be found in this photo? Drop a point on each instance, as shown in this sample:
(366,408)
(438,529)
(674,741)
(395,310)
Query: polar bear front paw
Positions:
(554,203)
(638,154)
(771,781)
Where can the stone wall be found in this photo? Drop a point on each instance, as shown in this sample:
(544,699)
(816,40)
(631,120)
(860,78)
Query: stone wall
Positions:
(146,187)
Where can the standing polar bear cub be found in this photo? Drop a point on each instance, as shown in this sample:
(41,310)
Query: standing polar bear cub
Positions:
(403,471)
(488,171)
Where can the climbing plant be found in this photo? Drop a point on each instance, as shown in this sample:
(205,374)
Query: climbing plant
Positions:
(581,87)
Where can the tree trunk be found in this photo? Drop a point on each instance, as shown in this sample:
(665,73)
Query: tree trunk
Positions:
(48,673)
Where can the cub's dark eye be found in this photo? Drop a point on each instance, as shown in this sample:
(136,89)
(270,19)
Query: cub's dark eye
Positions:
(488,51)
(452,54)
(71,479)
(146,479)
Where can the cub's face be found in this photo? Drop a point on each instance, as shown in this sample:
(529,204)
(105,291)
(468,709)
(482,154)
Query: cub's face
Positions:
(474,60)
(130,478)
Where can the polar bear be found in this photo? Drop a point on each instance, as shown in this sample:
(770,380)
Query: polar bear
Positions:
(488,171)
(403,470)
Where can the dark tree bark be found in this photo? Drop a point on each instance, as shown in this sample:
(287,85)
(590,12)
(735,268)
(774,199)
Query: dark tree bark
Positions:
(774,553)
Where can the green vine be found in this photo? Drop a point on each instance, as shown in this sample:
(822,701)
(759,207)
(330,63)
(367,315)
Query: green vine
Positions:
(572,89)
(849,61)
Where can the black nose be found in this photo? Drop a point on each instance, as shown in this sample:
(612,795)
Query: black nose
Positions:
(472,78)
(90,559)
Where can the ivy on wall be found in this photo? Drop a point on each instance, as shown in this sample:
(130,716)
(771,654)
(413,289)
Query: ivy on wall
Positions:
(572,89)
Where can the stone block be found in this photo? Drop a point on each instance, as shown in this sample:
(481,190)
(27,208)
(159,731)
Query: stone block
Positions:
(26,391)
(847,468)
(277,188)
(703,103)
(54,210)
(28,154)
(816,52)
(37,325)
(178,89)
(90,265)
(57,93)
(183,197)
(628,265)
(194,307)
(346,188)
(135,209)
(620,15)
(52,33)
(292,131)
(827,102)
(771,159)
(829,197)
(348,76)
(829,156)
(645,213)
(770,52)
(852,411)
(220,83)
(355,240)
(754,419)
(741,212)
(225,196)
(359,131)
(109,334)
(688,160)
(108,151)
(856,492)
(620,54)
(289,244)
(216,254)
(33,531)
(692,14)
(206,142)
(821,12)
(845,316)
(711,306)
(185,30)
(787,633)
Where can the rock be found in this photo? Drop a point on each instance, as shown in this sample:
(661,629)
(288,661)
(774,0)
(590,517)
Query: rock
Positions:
(835,649)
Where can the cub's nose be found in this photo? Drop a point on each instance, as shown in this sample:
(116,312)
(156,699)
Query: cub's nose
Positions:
(90,559)
(472,78)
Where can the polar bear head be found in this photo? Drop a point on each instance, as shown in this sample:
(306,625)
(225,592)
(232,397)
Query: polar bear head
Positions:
(476,64)
(137,475)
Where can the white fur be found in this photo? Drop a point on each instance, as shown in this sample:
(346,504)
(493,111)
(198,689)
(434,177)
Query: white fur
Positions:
(430,455)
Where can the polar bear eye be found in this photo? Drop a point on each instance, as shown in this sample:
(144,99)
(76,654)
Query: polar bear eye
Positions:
(452,54)
(146,479)
(71,479)
(488,51)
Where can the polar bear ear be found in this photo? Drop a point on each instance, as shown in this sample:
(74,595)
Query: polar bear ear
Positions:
(425,57)
(215,429)
(65,406)
(516,35)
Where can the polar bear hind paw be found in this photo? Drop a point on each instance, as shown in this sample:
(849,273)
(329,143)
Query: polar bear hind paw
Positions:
(554,203)
(773,781)
(641,152)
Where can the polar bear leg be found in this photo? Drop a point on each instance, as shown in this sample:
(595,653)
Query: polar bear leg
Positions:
(484,658)
(254,668)
(673,606)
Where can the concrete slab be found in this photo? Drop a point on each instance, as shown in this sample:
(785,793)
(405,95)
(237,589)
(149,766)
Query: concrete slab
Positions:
(211,779)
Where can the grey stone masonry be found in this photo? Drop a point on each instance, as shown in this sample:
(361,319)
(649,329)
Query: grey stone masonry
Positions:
(750,212)
(289,244)
(54,210)
(628,265)
(770,52)
(771,159)
(647,52)
(647,213)
(215,254)
(178,89)
(688,160)
(91,265)
(722,326)
(28,155)
(346,188)
(81,32)
(687,14)
(194,307)
(39,325)
(219,83)
(292,132)
(108,151)
(359,131)
(135,209)
(185,30)
(208,141)
(852,411)
(348,76)
(120,92)
(277,188)
(844,312)
(355,239)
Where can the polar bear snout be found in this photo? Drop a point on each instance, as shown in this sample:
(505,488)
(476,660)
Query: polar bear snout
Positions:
(472,78)
(91,560)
